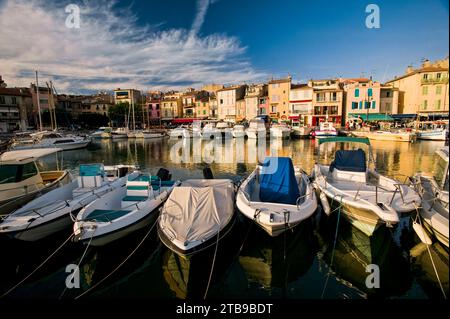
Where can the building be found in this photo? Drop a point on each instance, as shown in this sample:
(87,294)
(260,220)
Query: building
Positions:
(241,114)
(171,106)
(127,96)
(263,105)
(253,94)
(202,106)
(279,98)
(226,99)
(213,108)
(192,99)
(369,99)
(301,103)
(16,108)
(98,104)
(424,90)
(328,97)
(212,88)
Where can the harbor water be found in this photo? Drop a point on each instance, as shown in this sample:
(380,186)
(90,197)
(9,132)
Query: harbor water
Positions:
(306,263)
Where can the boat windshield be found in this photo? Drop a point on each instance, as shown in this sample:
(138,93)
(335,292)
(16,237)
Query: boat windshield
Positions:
(17,173)
(441,173)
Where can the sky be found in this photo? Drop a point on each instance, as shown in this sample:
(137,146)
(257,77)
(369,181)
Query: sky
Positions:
(175,44)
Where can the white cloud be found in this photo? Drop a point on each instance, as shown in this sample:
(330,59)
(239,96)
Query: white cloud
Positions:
(110,50)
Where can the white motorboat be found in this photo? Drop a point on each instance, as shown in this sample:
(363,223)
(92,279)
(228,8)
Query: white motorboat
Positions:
(53,211)
(224,130)
(197,214)
(325,129)
(180,132)
(21,180)
(277,196)
(123,210)
(210,131)
(365,197)
(256,129)
(54,139)
(239,131)
(134,134)
(394,135)
(433,135)
(149,134)
(434,190)
(280,131)
(102,132)
(300,131)
(119,133)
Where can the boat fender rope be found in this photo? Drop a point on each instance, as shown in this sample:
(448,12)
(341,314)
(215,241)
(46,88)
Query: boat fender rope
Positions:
(213,264)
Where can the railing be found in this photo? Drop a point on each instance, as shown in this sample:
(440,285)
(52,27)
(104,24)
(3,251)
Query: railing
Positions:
(443,80)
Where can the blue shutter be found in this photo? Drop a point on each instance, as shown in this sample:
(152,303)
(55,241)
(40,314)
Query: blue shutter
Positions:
(373,104)
(360,105)
(356,92)
(369,92)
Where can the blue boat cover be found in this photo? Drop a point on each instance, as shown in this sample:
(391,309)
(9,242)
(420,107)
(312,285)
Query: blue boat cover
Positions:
(349,160)
(278,185)
(91,170)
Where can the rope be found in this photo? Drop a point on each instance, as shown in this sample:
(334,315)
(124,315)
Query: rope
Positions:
(37,268)
(212,266)
(122,263)
(332,254)
(79,263)
(431,258)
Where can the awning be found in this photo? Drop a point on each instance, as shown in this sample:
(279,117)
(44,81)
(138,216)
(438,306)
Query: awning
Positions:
(373,117)
(403,116)
(437,116)
(185,120)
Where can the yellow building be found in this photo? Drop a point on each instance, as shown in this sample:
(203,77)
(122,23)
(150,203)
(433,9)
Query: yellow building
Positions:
(279,98)
(203,108)
(424,90)
(171,106)
(126,96)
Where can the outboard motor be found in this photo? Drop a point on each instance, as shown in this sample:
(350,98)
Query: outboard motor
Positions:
(207,173)
(164,174)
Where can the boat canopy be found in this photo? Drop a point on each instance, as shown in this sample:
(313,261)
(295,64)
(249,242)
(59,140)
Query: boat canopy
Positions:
(26,156)
(343,139)
(278,185)
(198,209)
(349,160)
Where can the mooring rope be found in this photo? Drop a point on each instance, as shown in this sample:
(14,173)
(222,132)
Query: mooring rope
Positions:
(334,248)
(212,266)
(122,263)
(429,253)
(79,263)
(37,268)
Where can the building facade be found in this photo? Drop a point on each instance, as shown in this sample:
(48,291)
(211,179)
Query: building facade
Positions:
(171,106)
(226,102)
(253,94)
(425,90)
(278,91)
(328,97)
(301,103)
(16,108)
(127,96)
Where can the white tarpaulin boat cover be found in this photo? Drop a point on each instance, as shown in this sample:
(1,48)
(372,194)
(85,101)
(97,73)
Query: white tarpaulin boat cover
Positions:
(198,209)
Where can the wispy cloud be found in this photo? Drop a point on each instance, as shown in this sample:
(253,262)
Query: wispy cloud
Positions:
(111,50)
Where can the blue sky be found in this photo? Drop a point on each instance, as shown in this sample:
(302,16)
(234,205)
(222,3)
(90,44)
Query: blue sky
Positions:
(180,43)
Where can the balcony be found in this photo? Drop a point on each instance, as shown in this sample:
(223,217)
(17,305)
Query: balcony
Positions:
(188,105)
(434,81)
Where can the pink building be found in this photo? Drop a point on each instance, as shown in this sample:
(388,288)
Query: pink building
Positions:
(263,105)
(153,108)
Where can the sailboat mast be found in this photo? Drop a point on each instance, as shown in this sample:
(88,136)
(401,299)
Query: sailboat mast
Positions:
(38,102)
(53,103)
(50,106)
(132,103)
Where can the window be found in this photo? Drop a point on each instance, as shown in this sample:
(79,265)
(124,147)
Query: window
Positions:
(104,107)
(424,105)
(388,93)
(13,100)
(320,97)
(221,101)
(388,107)
(198,103)
(274,109)
(204,112)
(354,105)
(360,105)
(275,85)
(438,104)
(43,101)
(356,92)
(369,92)
(97,108)
(8,174)
(157,106)
(438,89)
(425,76)
(438,76)
(367,105)
(424,90)
(333,96)
(373,105)
(2,100)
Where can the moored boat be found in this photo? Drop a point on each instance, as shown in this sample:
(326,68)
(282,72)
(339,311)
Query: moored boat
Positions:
(325,129)
(54,139)
(280,131)
(395,135)
(277,196)
(102,132)
(256,129)
(300,131)
(239,131)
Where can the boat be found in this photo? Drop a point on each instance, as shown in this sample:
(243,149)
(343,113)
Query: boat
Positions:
(210,131)
(434,190)
(102,132)
(277,196)
(365,197)
(21,180)
(393,135)
(54,139)
(180,132)
(224,130)
(148,134)
(239,131)
(300,131)
(197,214)
(5,145)
(119,133)
(432,130)
(256,129)
(53,211)
(124,210)
(280,131)
(325,129)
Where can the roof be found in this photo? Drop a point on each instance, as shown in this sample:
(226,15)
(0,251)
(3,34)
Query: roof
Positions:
(15,91)
(421,70)
(288,79)
(26,156)
(345,139)
(300,86)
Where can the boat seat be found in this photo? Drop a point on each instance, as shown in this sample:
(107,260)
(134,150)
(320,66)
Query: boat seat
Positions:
(106,215)
(91,175)
(359,177)
(138,190)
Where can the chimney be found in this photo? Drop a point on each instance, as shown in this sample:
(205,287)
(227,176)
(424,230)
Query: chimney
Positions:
(426,63)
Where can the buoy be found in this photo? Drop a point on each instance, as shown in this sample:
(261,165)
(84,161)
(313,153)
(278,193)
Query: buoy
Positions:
(420,231)
(325,204)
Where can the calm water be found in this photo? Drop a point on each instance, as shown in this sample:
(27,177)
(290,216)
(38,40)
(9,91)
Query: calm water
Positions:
(249,264)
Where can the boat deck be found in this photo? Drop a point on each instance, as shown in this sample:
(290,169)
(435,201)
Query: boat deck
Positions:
(106,215)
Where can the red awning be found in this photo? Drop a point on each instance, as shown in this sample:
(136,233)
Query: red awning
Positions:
(187,120)
(294,117)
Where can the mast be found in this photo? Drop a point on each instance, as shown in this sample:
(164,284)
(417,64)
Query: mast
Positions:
(53,103)
(38,102)
(50,106)
(132,103)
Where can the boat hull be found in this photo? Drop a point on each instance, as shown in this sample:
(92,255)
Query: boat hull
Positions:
(432,135)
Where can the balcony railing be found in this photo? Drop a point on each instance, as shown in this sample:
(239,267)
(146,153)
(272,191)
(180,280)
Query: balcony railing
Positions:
(435,81)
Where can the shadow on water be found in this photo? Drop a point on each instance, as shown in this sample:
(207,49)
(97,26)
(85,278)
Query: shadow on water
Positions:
(355,251)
